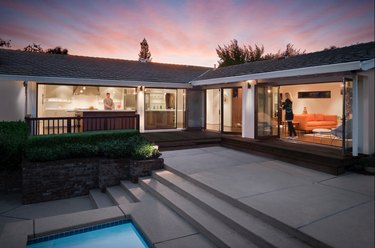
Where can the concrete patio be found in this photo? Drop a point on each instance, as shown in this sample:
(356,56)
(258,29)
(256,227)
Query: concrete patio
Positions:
(336,210)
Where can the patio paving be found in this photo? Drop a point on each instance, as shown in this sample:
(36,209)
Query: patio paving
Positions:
(338,210)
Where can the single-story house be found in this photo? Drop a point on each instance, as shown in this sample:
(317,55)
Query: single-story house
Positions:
(334,87)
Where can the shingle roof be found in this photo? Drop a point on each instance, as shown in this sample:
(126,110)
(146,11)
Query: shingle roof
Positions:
(14,62)
(358,52)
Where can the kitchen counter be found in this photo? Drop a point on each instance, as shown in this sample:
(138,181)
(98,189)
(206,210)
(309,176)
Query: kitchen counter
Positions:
(100,110)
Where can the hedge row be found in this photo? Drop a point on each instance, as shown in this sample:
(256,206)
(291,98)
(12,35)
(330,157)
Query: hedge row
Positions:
(112,144)
(13,136)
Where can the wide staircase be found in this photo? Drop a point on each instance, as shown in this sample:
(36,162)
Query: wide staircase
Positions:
(225,221)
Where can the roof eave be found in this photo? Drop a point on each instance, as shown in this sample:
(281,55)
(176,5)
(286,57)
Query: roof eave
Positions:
(88,81)
(333,68)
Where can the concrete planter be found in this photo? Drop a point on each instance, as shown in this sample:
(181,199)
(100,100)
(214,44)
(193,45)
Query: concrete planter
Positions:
(53,180)
(142,168)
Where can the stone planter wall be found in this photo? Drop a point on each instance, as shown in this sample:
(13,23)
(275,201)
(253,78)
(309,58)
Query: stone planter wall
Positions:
(10,181)
(142,168)
(53,180)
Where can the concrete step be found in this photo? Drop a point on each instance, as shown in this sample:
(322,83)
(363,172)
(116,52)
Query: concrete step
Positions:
(244,223)
(118,195)
(135,192)
(99,199)
(207,224)
(254,212)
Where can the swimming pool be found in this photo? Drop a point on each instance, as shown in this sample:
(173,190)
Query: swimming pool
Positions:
(111,235)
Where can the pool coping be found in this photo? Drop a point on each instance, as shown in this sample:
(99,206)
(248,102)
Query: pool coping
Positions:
(16,234)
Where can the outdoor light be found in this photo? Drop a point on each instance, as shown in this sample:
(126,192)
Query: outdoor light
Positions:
(251,83)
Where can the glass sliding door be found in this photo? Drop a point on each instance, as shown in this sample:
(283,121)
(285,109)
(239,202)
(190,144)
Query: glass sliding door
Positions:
(232,110)
(160,109)
(267,108)
(213,109)
(347,115)
(181,108)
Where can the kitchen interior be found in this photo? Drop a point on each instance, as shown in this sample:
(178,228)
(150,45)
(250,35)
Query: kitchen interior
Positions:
(67,100)
(164,108)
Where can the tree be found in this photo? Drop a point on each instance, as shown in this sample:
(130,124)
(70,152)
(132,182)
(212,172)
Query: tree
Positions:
(290,51)
(35,48)
(232,54)
(5,43)
(144,54)
(330,48)
(57,50)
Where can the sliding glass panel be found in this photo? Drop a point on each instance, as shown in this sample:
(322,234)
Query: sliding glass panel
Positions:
(267,108)
(181,103)
(232,110)
(160,108)
(213,109)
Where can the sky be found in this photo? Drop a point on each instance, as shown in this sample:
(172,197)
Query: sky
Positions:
(184,32)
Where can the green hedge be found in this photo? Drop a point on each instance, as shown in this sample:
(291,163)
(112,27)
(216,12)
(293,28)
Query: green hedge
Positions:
(111,144)
(13,135)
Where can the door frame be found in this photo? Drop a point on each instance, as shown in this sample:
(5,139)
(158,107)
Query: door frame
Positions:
(279,117)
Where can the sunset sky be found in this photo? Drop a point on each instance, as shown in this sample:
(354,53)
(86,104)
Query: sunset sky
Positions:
(184,32)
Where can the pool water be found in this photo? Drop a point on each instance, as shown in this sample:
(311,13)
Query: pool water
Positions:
(123,235)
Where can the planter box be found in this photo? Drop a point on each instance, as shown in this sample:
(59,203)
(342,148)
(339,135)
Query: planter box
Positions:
(142,168)
(53,180)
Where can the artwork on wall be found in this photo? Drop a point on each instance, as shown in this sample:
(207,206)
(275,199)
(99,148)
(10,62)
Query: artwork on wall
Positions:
(314,94)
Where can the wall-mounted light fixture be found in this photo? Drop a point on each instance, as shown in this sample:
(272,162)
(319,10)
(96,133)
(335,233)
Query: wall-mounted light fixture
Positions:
(251,83)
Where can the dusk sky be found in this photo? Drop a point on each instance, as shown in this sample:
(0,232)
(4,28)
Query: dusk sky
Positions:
(184,32)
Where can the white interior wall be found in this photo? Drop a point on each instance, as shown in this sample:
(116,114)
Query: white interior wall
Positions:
(228,94)
(213,107)
(12,94)
(331,105)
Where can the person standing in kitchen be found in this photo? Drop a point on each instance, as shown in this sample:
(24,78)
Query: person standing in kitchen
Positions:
(108,102)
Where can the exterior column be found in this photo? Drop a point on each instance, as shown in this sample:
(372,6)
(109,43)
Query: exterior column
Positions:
(30,98)
(141,107)
(355,118)
(248,110)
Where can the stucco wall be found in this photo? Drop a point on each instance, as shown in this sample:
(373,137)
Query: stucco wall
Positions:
(12,94)
(367,112)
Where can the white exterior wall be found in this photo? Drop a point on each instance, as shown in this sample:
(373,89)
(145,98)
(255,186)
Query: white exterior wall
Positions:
(366,102)
(31,98)
(12,95)
(248,111)
(141,108)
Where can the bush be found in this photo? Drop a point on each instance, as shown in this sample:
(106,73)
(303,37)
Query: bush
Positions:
(111,144)
(115,148)
(140,149)
(13,135)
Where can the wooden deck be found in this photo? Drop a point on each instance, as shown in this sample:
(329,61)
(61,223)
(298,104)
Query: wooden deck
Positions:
(328,159)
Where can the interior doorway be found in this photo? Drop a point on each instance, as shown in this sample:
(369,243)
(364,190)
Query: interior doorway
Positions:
(213,110)
(224,110)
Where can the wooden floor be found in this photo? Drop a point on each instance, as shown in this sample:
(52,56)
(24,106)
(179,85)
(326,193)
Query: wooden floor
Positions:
(320,157)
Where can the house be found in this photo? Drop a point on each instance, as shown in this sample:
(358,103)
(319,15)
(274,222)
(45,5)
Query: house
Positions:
(243,99)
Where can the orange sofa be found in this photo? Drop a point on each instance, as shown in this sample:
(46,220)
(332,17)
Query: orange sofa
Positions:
(308,122)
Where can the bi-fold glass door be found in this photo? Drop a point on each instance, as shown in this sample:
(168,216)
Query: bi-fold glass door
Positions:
(268,115)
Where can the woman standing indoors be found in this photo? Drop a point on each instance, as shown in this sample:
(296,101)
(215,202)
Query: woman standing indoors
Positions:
(288,106)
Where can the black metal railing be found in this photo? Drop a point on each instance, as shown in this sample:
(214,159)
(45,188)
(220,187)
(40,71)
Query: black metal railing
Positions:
(60,125)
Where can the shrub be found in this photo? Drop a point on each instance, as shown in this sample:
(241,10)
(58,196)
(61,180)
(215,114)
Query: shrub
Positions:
(115,148)
(13,135)
(112,144)
(140,148)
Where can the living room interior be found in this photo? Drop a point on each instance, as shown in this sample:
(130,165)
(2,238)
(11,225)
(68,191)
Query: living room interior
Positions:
(318,110)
